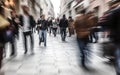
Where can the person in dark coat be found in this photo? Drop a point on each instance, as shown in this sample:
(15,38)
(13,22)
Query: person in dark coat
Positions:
(2,36)
(63,25)
(13,30)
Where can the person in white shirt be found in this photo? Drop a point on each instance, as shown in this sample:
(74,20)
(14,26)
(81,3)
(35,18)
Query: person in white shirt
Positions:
(27,22)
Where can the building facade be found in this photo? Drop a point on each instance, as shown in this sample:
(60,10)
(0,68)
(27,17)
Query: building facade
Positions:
(50,9)
(46,8)
(74,7)
(99,6)
(37,7)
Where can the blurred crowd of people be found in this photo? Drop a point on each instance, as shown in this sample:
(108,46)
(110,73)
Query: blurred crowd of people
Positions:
(10,30)
(86,25)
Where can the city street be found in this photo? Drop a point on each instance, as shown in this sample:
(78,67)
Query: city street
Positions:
(58,58)
(96,22)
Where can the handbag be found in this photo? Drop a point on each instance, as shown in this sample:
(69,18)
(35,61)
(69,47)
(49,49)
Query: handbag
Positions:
(3,22)
(9,35)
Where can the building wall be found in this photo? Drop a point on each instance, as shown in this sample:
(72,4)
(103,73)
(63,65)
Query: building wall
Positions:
(99,6)
(50,8)
(74,4)
(64,8)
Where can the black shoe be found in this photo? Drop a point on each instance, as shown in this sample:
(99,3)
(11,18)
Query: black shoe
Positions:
(45,45)
(85,68)
(12,54)
(63,39)
(25,52)
(39,42)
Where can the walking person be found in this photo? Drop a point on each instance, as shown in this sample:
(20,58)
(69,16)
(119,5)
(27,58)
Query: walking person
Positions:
(63,25)
(83,31)
(3,24)
(13,31)
(50,25)
(111,21)
(15,21)
(70,26)
(27,22)
(43,24)
(38,25)
(92,21)
(54,27)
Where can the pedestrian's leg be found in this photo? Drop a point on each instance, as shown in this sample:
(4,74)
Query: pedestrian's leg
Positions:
(17,35)
(117,65)
(50,30)
(64,33)
(12,47)
(55,31)
(34,30)
(1,56)
(40,36)
(82,47)
(95,36)
(91,38)
(4,51)
(25,42)
(45,37)
(70,32)
(32,42)
(61,32)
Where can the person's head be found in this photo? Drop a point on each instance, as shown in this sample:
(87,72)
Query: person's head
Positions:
(13,13)
(70,17)
(25,9)
(42,16)
(64,16)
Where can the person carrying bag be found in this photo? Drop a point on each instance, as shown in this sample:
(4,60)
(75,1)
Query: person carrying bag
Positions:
(3,24)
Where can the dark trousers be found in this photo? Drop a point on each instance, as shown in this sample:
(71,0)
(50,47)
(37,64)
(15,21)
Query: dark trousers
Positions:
(63,33)
(10,38)
(82,43)
(93,35)
(12,43)
(117,55)
(50,30)
(1,56)
(25,35)
(54,31)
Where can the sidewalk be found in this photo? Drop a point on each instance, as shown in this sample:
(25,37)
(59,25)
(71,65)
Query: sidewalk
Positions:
(58,58)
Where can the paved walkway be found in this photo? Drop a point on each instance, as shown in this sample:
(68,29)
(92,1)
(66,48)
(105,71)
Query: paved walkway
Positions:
(58,58)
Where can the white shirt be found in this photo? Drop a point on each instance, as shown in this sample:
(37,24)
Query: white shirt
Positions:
(26,23)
